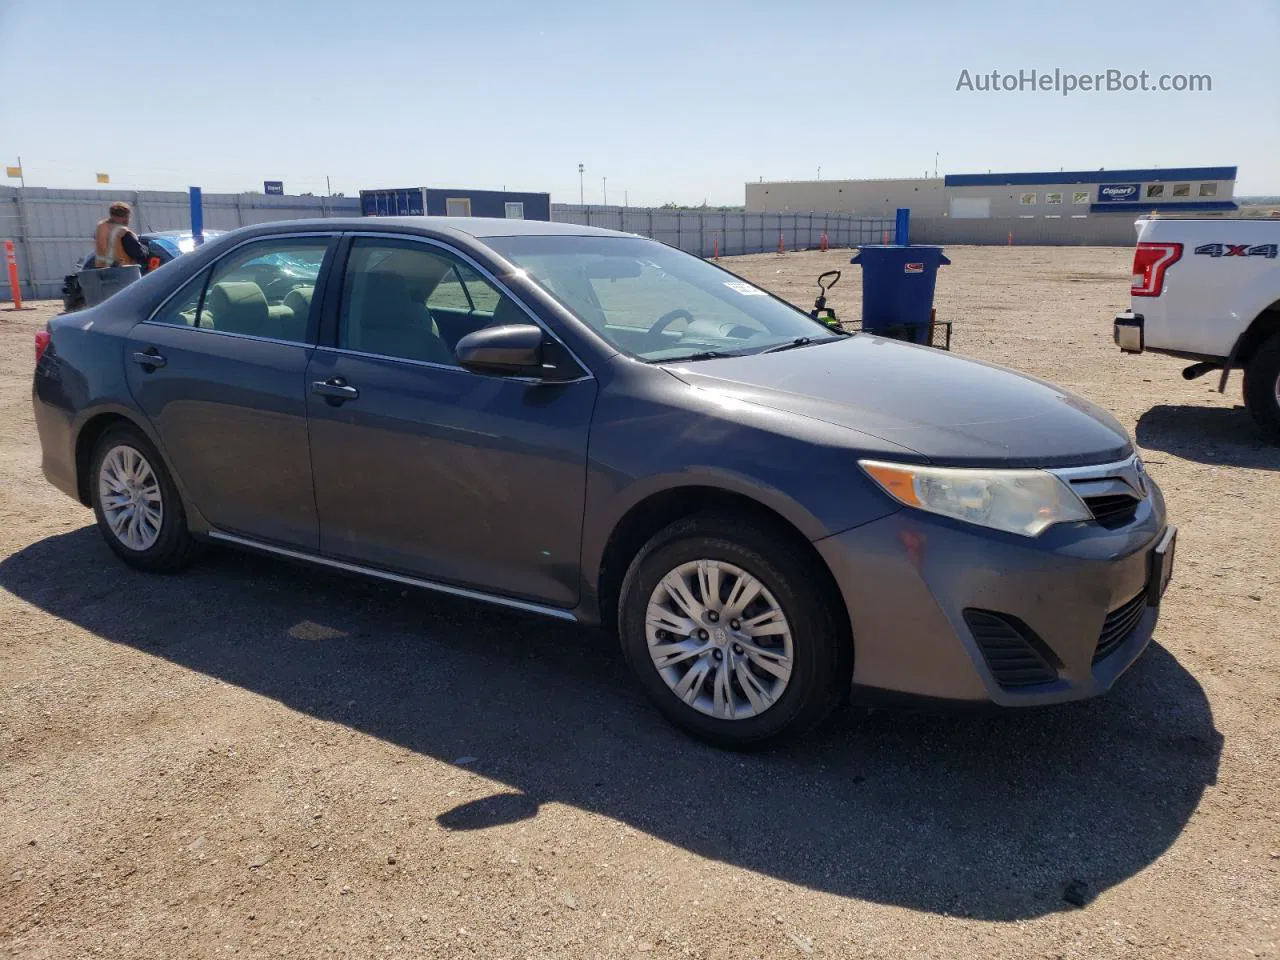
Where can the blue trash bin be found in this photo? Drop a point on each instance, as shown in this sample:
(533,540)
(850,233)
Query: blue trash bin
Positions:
(897,289)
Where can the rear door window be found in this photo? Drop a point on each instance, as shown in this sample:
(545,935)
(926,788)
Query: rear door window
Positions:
(265,289)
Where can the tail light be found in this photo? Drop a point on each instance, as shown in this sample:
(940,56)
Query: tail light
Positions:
(42,343)
(1150,261)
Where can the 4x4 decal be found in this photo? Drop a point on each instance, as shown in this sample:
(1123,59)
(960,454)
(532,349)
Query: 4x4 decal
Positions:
(1267,250)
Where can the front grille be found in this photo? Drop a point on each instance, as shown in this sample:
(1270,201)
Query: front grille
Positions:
(1015,655)
(1113,510)
(1119,623)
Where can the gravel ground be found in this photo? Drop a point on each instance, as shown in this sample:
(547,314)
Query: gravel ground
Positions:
(267,760)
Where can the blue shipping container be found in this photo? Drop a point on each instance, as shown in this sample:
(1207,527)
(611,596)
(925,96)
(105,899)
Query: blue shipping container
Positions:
(400,202)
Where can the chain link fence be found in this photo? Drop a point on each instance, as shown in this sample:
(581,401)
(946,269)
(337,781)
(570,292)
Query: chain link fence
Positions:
(54,228)
(707,233)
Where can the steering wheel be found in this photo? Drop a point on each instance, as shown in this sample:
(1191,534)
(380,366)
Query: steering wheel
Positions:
(670,317)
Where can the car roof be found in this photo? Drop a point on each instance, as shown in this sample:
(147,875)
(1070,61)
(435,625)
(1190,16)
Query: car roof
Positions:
(498,227)
(479,228)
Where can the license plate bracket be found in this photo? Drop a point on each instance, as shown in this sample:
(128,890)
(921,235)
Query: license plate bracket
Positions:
(1162,566)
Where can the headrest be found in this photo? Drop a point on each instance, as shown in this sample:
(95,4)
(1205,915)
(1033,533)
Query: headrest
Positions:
(299,298)
(238,306)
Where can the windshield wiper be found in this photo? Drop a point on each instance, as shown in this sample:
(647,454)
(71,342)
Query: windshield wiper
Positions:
(700,355)
(798,342)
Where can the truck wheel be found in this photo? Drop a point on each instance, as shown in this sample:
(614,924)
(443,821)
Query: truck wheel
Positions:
(1262,388)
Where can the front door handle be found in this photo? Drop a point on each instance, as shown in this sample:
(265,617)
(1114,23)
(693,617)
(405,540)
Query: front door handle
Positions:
(335,391)
(149,358)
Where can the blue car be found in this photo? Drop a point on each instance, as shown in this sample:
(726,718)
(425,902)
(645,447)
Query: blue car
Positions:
(164,247)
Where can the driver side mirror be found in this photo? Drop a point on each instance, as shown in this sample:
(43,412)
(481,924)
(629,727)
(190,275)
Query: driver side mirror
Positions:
(514,349)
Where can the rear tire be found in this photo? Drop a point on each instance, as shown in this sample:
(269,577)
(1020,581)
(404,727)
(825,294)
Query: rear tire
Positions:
(72,295)
(734,675)
(136,503)
(1262,388)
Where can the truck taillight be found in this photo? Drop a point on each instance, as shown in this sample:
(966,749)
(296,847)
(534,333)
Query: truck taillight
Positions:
(42,344)
(1150,261)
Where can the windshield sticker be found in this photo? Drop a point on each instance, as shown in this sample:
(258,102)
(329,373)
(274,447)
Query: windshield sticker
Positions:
(746,289)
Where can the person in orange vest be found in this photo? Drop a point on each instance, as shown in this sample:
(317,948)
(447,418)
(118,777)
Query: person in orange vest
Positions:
(114,244)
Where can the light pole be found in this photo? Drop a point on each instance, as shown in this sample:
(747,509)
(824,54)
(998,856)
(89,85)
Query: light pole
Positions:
(581,201)
(935,165)
(819,171)
(604,189)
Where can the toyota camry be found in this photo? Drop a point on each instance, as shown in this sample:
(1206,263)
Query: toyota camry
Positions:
(596,427)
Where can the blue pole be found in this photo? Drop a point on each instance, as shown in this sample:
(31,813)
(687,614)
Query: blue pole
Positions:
(197,216)
(902,228)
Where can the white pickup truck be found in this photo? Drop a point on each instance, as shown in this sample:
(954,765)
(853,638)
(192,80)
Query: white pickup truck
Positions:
(1209,291)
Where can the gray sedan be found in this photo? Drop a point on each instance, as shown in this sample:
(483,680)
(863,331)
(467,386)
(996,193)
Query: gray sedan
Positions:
(593,426)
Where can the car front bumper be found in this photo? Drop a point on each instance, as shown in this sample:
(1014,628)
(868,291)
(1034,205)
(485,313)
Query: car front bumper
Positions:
(1078,596)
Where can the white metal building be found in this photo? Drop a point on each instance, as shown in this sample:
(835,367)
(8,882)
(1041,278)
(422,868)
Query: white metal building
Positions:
(1052,195)
(924,197)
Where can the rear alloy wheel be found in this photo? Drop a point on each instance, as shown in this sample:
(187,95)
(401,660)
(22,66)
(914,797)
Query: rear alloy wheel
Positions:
(136,503)
(130,495)
(1262,388)
(729,629)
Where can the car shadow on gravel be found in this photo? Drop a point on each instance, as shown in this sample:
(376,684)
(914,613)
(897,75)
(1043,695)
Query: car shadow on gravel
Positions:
(1213,435)
(987,815)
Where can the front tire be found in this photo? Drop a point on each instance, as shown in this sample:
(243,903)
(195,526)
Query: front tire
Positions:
(136,503)
(1262,388)
(729,629)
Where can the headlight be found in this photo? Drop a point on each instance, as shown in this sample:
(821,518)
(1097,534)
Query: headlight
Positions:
(1019,501)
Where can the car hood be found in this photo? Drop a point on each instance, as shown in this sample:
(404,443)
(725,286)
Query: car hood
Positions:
(948,409)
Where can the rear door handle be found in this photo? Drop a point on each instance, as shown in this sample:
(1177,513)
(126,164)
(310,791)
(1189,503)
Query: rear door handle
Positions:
(335,391)
(149,358)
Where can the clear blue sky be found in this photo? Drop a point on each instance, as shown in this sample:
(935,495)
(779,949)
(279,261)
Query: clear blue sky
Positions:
(680,101)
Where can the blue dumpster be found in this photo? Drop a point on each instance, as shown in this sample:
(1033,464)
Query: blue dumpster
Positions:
(897,289)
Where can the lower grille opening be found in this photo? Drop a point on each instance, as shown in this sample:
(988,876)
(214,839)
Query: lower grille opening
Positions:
(1015,655)
(1112,510)
(1119,624)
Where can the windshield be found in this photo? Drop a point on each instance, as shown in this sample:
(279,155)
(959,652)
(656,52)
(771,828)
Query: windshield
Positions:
(290,265)
(654,301)
(167,244)
(176,244)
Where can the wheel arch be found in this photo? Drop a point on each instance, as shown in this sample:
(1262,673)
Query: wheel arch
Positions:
(86,439)
(98,423)
(664,507)
(1265,325)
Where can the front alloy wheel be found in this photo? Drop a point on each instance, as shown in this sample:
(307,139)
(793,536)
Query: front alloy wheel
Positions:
(735,630)
(719,639)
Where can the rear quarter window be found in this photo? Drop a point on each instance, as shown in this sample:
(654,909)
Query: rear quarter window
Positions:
(183,307)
